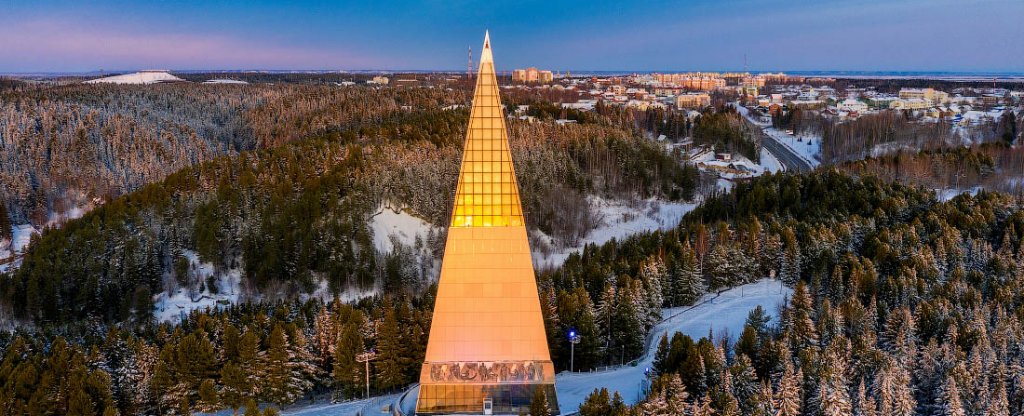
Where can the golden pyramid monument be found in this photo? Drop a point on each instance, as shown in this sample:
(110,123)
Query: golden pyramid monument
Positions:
(487,350)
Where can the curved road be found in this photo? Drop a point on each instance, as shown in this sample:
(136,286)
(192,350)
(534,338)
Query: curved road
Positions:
(785,155)
(789,159)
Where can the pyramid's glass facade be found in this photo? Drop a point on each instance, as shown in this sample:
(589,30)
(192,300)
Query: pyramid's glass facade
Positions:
(487,340)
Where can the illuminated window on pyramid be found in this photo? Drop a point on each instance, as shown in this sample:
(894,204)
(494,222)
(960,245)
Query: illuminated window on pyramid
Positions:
(487,195)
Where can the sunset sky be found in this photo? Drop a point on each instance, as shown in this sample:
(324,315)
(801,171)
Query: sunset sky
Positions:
(908,35)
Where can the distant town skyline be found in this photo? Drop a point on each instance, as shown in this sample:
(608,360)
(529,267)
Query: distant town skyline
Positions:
(799,35)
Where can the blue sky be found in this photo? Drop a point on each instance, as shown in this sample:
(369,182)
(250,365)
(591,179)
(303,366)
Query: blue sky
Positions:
(904,35)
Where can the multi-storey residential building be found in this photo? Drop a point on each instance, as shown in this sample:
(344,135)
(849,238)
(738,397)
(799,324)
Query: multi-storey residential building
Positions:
(532,74)
(927,94)
(693,100)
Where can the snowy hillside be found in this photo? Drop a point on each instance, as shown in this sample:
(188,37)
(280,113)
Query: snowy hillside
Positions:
(171,307)
(391,226)
(725,313)
(619,219)
(138,78)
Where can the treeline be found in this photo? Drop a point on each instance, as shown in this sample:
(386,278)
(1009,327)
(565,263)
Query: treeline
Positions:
(67,146)
(290,218)
(904,306)
(724,128)
(238,357)
(994,166)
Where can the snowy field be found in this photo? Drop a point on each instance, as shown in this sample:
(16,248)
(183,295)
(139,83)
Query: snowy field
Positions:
(725,313)
(225,81)
(390,226)
(21,235)
(618,220)
(137,78)
(944,195)
(171,307)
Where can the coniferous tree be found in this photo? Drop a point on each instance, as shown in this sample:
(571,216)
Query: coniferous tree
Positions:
(539,403)
(234,383)
(390,361)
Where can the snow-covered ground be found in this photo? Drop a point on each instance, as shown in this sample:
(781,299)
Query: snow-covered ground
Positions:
(141,78)
(806,147)
(224,81)
(739,166)
(171,307)
(21,235)
(725,313)
(769,163)
(944,195)
(620,220)
(390,226)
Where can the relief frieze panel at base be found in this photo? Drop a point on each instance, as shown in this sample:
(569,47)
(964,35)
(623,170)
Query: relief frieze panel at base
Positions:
(490,372)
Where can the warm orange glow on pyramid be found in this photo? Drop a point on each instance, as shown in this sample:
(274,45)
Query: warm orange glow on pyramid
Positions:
(487,194)
(487,337)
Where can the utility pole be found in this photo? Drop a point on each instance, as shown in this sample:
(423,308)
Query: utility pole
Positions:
(366,357)
(574,339)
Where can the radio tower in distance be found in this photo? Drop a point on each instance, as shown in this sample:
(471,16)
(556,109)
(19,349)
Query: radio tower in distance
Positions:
(469,67)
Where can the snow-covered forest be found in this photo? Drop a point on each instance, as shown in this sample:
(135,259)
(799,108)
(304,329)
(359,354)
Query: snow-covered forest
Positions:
(902,304)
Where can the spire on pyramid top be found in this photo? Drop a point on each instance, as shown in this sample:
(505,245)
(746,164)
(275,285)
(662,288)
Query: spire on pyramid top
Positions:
(486,56)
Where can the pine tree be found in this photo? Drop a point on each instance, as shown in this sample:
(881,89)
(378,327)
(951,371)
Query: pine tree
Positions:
(661,355)
(390,363)
(539,403)
(628,332)
(596,404)
(689,286)
(833,398)
(278,383)
(235,386)
(5,224)
(744,383)
(788,399)
(348,373)
(209,400)
(250,365)
(325,330)
(949,399)
(675,394)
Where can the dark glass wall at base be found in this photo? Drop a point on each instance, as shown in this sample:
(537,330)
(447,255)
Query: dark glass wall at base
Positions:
(469,398)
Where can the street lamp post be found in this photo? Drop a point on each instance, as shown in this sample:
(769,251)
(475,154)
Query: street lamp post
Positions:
(366,357)
(574,339)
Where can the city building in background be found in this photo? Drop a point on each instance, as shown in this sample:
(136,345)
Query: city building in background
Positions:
(532,74)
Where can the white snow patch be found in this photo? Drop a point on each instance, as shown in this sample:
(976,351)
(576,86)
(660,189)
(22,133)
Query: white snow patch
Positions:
(769,163)
(620,219)
(21,235)
(137,78)
(172,307)
(225,81)
(11,250)
(725,313)
(390,226)
(944,195)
